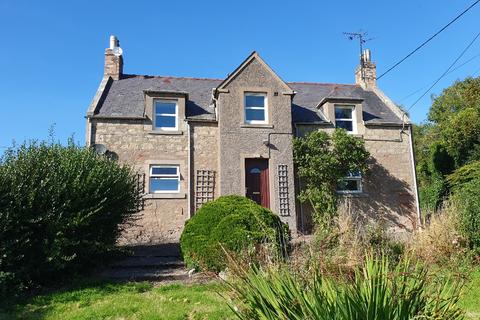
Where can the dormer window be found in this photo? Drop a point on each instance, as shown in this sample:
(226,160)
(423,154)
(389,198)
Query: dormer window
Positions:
(256,108)
(345,118)
(165,115)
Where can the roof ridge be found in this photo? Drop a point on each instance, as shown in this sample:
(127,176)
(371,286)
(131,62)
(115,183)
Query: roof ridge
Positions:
(325,83)
(174,77)
(126,76)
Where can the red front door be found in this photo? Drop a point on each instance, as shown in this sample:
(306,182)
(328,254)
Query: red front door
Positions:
(256,181)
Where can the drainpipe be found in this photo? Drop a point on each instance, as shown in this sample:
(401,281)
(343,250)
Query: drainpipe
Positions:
(189,162)
(415,188)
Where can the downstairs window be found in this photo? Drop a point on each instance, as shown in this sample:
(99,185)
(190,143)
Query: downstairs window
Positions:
(164,179)
(352,183)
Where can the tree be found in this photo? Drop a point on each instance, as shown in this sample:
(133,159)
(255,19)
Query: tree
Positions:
(322,161)
(449,140)
(459,96)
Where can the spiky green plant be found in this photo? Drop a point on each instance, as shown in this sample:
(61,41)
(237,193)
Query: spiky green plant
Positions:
(378,291)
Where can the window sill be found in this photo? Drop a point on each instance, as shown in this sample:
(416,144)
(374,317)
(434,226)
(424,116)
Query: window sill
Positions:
(165,196)
(357,135)
(166,132)
(352,194)
(257,125)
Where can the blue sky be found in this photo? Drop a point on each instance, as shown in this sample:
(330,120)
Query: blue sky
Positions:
(51,52)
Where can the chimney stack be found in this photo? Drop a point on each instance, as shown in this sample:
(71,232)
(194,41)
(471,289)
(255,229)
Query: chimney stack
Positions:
(113,59)
(366,72)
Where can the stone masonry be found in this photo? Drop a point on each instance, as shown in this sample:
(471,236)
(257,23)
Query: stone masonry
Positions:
(212,142)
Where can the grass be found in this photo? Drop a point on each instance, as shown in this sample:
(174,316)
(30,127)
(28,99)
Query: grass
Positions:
(470,301)
(125,301)
(100,300)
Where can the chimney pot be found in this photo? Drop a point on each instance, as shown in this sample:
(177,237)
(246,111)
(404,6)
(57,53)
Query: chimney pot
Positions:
(113,42)
(113,63)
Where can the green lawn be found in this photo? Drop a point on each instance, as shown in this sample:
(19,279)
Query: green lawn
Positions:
(145,301)
(470,301)
(126,301)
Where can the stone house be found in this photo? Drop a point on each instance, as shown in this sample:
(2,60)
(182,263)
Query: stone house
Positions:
(194,139)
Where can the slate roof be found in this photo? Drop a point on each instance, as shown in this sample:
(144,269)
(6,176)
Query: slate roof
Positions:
(125,98)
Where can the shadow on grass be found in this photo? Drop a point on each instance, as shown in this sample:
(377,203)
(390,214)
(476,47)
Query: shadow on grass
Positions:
(82,292)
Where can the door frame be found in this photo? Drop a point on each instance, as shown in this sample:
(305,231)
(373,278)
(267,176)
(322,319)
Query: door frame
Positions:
(269,173)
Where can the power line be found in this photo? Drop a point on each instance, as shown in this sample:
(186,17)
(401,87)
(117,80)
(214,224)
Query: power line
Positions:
(446,71)
(453,70)
(428,40)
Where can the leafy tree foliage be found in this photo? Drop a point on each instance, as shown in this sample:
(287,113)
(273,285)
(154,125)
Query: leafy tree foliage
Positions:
(322,161)
(461,95)
(61,209)
(450,140)
(465,184)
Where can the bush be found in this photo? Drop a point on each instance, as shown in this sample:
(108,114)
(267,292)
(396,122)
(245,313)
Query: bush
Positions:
(60,211)
(378,291)
(465,183)
(232,223)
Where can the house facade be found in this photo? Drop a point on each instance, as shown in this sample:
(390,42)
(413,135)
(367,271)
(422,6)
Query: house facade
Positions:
(194,139)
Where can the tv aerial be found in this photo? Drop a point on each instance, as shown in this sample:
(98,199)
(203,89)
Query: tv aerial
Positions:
(361,36)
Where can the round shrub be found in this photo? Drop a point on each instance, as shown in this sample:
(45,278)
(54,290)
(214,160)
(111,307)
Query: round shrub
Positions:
(233,223)
(61,208)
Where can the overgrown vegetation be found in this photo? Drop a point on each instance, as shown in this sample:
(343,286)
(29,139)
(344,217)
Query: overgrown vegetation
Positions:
(234,224)
(448,156)
(377,291)
(61,208)
(322,161)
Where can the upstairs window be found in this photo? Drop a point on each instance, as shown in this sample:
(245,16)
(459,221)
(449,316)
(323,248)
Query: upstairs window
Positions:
(352,183)
(165,115)
(164,179)
(345,118)
(256,108)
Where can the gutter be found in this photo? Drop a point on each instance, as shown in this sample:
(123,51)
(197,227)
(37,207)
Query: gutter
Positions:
(100,117)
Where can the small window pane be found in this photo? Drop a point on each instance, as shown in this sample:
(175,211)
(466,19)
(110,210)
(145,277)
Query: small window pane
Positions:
(165,121)
(343,113)
(255,115)
(254,101)
(164,170)
(349,185)
(354,174)
(162,184)
(165,107)
(347,125)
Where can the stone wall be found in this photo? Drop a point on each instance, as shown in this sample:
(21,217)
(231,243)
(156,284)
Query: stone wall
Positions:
(204,145)
(238,141)
(134,143)
(389,190)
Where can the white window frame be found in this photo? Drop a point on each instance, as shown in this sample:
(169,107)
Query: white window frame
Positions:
(353,177)
(353,119)
(264,108)
(155,114)
(175,176)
